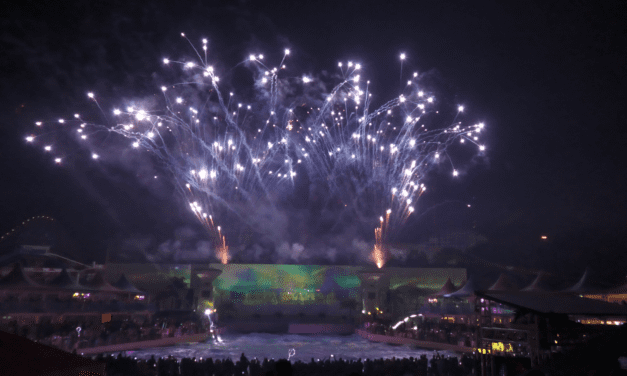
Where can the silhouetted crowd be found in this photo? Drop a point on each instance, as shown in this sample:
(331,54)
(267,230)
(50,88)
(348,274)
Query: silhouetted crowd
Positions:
(436,366)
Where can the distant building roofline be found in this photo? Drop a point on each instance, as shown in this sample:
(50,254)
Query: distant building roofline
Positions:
(551,303)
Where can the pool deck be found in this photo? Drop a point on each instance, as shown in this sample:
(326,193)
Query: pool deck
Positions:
(321,329)
(290,325)
(410,341)
(294,329)
(161,342)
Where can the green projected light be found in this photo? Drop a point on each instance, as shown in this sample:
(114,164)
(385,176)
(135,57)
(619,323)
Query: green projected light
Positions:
(269,284)
(286,284)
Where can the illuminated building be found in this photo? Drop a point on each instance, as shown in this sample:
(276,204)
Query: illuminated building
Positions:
(201,281)
(533,325)
(374,288)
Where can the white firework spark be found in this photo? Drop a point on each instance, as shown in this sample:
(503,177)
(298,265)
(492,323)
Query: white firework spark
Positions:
(231,153)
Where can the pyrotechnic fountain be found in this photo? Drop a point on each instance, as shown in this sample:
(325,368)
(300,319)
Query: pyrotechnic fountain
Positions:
(230,155)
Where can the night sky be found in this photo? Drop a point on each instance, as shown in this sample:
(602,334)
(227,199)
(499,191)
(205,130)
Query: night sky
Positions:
(547,78)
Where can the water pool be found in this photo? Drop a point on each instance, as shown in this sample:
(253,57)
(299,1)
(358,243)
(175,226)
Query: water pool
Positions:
(262,345)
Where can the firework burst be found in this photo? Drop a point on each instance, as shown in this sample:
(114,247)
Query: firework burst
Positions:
(231,154)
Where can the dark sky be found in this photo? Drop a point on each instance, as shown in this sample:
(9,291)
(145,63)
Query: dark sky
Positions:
(547,78)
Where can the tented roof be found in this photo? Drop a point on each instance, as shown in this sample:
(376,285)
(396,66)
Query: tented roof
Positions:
(538,284)
(125,285)
(556,303)
(18,280)
(504,283)
(63,280)
(54,263)
(13,258)
(584,285)
(94,280)
(467,290)
(447,288)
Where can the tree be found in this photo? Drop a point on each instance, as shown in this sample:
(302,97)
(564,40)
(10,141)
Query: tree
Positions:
(170,297)
(349,304)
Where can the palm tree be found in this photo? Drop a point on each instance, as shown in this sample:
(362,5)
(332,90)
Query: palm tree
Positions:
(349,304)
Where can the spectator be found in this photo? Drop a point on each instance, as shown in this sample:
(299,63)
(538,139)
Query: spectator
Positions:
(122,365)
(283,368)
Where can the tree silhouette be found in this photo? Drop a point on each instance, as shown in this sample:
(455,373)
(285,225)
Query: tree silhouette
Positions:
(350,304)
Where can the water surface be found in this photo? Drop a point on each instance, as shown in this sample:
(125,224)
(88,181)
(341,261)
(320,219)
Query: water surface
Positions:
(262,345)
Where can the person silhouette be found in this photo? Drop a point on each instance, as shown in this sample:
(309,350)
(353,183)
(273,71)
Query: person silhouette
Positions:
(283,368)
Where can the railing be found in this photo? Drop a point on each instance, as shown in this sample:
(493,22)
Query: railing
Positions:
(94,342)
(128,346)
(73,306)
(448,309)
(400,340)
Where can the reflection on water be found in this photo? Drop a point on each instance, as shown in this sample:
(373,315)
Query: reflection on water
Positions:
(261,345)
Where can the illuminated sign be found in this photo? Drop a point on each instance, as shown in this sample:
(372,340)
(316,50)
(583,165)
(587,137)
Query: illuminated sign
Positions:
(502,347)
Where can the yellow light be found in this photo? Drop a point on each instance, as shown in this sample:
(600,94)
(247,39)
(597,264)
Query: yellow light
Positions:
(498,346)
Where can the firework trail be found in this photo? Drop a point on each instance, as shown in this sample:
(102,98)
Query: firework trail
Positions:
(230,155)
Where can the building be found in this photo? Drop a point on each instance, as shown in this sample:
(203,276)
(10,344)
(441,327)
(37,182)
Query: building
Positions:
(506,325)
(28,296)
(201,282)
(245,290)
(536,325)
